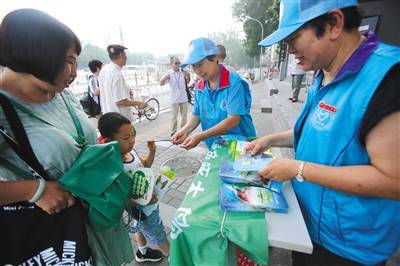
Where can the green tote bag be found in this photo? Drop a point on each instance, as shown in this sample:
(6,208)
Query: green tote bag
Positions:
(97,176)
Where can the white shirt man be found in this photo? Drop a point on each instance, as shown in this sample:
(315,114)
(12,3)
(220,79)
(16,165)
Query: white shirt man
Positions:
(115,94)
(179,99)
(297,77)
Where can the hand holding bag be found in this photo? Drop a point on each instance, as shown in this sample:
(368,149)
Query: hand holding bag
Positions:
(97,176)
(27,232)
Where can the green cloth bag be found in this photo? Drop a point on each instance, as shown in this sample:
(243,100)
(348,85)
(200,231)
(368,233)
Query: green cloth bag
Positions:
(111,247)
(97,176)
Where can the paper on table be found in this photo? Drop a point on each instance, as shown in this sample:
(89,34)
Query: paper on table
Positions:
(158,140)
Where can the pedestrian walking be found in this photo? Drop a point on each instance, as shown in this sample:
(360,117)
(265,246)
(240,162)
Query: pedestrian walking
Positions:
(115,94)
(95,67)
(176,79)
(297,78)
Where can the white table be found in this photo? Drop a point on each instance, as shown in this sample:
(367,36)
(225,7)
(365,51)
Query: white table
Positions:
(288,230)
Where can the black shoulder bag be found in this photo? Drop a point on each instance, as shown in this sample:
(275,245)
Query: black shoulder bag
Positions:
(29,234)
(89,105)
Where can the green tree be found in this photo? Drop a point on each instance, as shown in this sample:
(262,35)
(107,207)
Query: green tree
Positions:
(90,52)
(266,11)
(139,58)
(236,55)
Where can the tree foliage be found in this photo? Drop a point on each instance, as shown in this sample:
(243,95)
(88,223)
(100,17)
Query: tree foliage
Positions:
(266,11)
(235,54)
(90,52)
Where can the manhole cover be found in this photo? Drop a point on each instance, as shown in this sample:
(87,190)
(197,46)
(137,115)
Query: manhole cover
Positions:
(184,166)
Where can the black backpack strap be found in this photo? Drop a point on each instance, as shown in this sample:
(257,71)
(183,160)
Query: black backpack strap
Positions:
(20,144)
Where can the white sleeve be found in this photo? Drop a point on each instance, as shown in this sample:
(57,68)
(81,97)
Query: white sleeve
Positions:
(92,84)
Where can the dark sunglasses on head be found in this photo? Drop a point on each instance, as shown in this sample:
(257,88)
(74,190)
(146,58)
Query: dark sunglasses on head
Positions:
(177,63)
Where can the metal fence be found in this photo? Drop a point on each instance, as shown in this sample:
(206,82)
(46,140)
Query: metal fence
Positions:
(139,83)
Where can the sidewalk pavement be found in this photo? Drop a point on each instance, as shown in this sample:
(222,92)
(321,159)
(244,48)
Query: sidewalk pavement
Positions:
(284,113)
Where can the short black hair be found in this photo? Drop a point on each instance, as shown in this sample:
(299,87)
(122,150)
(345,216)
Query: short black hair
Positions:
(110,123)
(94,65)
(222,51)
(352,20)
(211,57)
(115,50)
(36,43)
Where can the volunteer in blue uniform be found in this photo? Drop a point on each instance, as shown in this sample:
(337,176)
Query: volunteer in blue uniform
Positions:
(346,139)
(222,99)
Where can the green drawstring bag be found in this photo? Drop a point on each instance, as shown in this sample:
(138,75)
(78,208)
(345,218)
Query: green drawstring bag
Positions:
(97,176)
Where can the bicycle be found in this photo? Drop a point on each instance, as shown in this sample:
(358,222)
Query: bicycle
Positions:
(151,109)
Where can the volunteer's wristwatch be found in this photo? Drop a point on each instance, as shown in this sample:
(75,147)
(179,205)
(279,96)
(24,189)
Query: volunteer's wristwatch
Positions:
(299,176)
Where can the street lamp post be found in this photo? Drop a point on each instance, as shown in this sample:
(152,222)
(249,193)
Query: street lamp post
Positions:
(262,37)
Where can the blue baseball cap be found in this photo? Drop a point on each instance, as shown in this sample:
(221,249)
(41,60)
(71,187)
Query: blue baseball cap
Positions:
(295,13)
(198,50)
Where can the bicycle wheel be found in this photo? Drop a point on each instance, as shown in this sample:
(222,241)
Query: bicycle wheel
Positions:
(152,109)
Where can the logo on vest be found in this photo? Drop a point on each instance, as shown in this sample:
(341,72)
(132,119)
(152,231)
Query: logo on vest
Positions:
(323,118)
(328,107)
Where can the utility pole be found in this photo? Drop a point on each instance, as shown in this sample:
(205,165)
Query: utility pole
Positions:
(120,35)
(262,37)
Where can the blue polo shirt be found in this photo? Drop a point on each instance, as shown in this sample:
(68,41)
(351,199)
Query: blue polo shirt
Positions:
(231,96)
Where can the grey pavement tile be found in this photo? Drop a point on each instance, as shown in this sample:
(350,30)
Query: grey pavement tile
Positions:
(166,199)
(182,189)
(188,182)
(176,194)
(175,202)
(174,186)
(186,185)
(179,180)
(167,213)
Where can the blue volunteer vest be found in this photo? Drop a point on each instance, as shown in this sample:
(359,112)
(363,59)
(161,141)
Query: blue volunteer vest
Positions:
(363,229)
(213,106)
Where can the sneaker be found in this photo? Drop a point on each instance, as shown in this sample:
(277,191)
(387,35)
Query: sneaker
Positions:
(152,255)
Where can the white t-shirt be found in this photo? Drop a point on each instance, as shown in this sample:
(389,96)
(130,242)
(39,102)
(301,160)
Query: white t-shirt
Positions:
(114,89)
(177,86)
(131,167)
(298,70)
(134,164)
